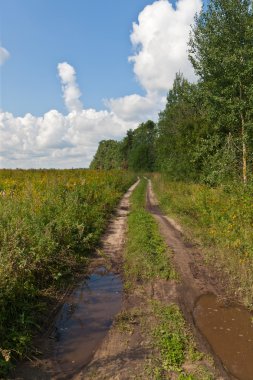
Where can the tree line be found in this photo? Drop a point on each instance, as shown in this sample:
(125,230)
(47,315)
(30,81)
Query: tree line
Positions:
(205,132)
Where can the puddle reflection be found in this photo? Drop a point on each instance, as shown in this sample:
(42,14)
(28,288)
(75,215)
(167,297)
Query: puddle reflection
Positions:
(85,319)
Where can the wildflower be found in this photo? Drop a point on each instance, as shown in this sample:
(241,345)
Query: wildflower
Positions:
(6,354)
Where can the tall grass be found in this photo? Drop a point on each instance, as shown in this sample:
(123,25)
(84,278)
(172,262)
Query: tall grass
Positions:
(221,220)
(50,221)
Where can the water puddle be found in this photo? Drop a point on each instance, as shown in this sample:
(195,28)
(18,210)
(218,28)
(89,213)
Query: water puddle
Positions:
(229,331)
(85,319)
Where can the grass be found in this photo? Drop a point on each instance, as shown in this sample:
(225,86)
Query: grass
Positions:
(147,259)
(50,222)
(176,346)
(147,255)
(221,220)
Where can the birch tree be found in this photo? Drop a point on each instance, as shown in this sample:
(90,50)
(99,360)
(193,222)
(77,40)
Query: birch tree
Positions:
(221,51)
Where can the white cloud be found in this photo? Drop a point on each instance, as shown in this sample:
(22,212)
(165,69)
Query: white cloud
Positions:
(160,39)
(4,55)
(136,108)
(71,92)
(55,140)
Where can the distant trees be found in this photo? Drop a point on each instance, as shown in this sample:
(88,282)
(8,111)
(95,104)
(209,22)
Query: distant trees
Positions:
(142,152)
(136,151)
(108,156)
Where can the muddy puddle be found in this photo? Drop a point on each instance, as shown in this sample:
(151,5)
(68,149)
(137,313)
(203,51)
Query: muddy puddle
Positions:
(85,319)
(229,331)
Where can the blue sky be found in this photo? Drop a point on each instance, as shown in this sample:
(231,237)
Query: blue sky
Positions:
(93,36)
(74,72)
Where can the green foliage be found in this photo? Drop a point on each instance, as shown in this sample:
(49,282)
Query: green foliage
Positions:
(146,255)
(126,146)
(136,151)
(181,126)
(141,156)
(221,52)
(170,336)
(50,222)
(108,156)
(176,345)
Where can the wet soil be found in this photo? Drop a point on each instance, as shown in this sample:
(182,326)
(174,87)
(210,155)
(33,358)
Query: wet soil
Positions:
(85,318)
(229,330)
(128,351)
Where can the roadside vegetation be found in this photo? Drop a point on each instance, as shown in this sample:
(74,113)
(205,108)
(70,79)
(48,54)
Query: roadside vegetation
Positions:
(50,222)
(147,262)
(221,220)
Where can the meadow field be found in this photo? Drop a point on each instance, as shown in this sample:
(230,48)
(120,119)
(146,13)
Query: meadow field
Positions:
(50,223)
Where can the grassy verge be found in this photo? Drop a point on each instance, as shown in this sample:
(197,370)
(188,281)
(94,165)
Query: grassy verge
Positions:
(50,222)
(147,260)
(221,220)
(146,256)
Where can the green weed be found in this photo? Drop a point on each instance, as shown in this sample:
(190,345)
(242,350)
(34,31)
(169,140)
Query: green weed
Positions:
(146,255)
(176,345)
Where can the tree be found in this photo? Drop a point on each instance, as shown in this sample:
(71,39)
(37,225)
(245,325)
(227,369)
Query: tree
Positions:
(221,51)
(126,146)
(142,152)
(180,127)
(108,156)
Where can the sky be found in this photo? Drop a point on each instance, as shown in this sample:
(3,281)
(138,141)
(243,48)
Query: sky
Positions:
(75,72)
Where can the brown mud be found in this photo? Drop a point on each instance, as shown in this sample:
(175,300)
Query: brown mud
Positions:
(127,351)
(229,329)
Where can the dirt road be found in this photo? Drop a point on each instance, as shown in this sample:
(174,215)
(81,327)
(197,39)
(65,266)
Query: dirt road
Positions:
(125,349)
(125,352)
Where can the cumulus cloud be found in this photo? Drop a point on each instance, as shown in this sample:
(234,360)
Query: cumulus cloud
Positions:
(55,140)
(160,43)
(71,92)
(136,108)
(4,55)
(160,40)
